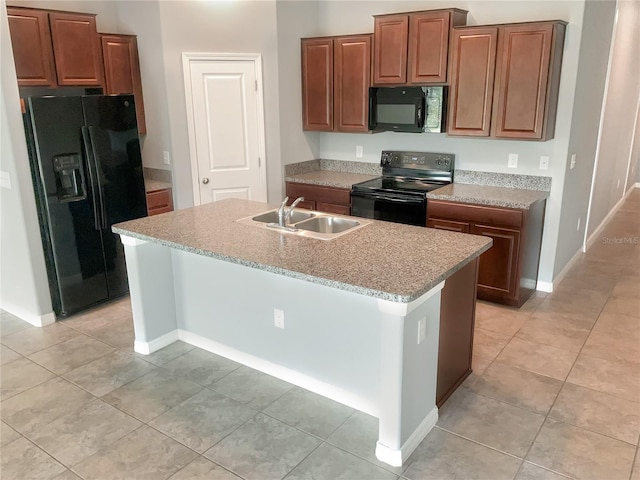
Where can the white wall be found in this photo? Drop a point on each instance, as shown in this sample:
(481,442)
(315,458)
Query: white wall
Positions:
(589,93)
(473,154)
(142,18)
(296,19)
(230,27)
(619,115)
(24,290)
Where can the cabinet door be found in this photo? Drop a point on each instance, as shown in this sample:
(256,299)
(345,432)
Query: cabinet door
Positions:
(333,208)
(317,84)
(390,49)
(352,78)
(159,201)
(76,48)
(498,271)
(462,227)
(122,71)
(32,50)
(522,76)
(473,62)
(428,47)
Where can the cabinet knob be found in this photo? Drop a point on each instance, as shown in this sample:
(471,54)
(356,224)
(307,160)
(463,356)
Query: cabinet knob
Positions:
(205,180)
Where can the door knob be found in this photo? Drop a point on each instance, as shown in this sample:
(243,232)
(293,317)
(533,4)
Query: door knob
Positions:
(205,180)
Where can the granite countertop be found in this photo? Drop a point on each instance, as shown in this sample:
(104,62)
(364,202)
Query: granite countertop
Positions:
(385,260)
(488,195)
(330,178)
(154,185)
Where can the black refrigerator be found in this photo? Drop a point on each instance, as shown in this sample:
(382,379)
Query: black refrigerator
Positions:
(87,174)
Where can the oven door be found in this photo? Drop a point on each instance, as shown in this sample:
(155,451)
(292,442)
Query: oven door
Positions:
(390,207)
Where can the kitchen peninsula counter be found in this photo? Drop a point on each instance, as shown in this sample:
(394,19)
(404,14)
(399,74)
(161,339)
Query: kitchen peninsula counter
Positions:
(356,319)
(385,260)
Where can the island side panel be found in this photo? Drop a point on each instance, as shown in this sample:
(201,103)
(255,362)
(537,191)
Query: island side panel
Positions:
(331,339)
(410,335)
(151,287)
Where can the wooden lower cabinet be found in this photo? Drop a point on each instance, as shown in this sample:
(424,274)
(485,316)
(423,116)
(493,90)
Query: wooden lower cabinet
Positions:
(457,320)
(320,198)
(159,201)
(508,271)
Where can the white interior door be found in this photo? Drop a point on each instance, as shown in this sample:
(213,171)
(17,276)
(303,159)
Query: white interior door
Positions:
(226,127)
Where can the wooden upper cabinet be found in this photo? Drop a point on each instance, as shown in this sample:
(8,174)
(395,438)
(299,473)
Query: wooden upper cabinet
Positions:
(527,80)
(352,78)
(413,48)
(429,44)
(317,84)
(32,51)
(122,70)
(390,49)
(76,47)
(473,61)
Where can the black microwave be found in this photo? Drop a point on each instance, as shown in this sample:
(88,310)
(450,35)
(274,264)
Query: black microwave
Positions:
(407,109)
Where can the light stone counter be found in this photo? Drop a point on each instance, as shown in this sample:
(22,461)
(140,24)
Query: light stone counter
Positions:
(488,195)
(329,178)
(154,185)
(385,260)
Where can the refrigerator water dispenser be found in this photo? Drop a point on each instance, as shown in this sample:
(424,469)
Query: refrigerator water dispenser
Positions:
(69,177)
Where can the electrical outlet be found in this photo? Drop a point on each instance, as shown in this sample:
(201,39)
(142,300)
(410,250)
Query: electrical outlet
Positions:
(513,160)
(422,329)
(544,162)
(165,158)
(359,151)
(278,318)
(573,162)
(578,227)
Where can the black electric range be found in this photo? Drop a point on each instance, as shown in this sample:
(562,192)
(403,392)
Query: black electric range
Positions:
(400,195)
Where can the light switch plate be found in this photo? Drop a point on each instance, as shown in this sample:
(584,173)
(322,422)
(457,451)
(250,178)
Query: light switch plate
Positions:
(573,162)
(165,158)
(513,160)
(359,151)
(278,318)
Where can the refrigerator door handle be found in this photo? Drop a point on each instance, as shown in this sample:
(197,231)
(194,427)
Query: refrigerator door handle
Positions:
(99,173)
(92,176)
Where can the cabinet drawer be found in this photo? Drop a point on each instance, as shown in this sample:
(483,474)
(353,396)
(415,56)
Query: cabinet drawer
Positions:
(159,201)
(319,194)
(475,213)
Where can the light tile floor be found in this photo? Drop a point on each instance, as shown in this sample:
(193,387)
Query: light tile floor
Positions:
(555,393)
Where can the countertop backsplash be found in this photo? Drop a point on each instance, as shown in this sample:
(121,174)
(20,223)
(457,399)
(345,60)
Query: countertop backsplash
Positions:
(333,166)
(509,180)
(157,174)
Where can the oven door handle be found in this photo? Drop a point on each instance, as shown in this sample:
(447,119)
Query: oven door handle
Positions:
(395,199)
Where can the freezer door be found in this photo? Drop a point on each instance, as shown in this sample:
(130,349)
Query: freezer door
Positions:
(66,207)
(113,132)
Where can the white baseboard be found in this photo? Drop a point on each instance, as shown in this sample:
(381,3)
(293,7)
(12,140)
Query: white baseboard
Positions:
(544,286)
(637,185)
(594,236)
(565,270)
(29,317)
(397,457)
(363,404)
(145,348)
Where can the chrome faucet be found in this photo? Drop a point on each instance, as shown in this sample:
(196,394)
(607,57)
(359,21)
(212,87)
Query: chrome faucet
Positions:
(284,214)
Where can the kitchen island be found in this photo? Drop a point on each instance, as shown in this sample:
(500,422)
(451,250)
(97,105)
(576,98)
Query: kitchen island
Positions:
(358,316)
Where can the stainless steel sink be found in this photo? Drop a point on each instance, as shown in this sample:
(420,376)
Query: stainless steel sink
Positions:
(327,224)
(272,217)
(310,224)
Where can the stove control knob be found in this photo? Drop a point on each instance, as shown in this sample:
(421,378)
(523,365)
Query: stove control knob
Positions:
(385,159)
